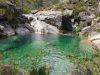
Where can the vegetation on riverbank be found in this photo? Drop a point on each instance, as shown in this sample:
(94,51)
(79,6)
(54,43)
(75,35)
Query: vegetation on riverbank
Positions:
(92,64)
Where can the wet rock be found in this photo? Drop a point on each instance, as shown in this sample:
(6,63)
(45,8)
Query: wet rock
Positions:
(21,31)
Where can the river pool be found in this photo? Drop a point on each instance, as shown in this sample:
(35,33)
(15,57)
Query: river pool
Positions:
(34,50)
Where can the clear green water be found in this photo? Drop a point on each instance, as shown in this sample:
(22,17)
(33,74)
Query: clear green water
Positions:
(34,50)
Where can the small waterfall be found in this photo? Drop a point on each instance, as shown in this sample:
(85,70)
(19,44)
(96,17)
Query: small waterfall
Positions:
(43,28)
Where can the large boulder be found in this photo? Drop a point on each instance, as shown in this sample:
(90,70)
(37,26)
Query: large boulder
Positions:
(22,31)
(1,27)
(86,15)
(51,19)
(57,66)
(43,28)
(9,31)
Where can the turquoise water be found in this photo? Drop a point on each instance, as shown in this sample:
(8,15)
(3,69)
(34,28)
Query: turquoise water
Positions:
(35,50)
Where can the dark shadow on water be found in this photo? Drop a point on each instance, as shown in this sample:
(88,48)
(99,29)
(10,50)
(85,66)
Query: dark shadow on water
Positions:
(19,41)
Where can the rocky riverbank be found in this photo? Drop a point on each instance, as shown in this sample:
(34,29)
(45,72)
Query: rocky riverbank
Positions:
(61,18)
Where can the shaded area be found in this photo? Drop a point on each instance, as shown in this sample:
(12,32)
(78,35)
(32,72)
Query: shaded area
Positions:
(66,24)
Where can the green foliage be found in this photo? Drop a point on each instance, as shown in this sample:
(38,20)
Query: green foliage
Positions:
(26,9)
(77,30)
(79,7)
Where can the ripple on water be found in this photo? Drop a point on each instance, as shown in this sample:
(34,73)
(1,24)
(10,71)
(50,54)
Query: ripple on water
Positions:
(31,50)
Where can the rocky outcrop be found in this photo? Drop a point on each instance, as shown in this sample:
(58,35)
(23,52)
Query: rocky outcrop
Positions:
(50,22)
(13,22)
(21,31)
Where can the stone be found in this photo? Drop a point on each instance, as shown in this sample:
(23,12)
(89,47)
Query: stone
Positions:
(9,31)
(86,15)
(68,12)
(82,16)
(21,31)
(1,28)
(87,29)
(43,28)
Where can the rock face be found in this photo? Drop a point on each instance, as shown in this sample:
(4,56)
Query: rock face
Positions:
(50,22)
(21,31)
(74,1)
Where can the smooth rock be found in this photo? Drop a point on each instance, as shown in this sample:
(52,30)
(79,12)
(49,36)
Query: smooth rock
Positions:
(9,31)
(22,31)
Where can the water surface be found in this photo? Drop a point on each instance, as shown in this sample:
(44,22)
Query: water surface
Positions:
(36,50)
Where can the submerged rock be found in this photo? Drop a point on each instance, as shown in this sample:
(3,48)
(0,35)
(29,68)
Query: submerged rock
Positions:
(55,65)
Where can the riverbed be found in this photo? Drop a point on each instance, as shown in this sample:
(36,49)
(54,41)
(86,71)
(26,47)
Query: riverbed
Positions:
(35,50)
